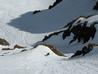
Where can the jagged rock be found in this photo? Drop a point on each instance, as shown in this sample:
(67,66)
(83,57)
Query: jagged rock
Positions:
(85,50)
(50,35)
(79,28)
(3,42)
(66,33)
(18,46)
(55,3)
(84,33)
(50,7)
(96,6)
(23,50)
(37,11)
(7,49)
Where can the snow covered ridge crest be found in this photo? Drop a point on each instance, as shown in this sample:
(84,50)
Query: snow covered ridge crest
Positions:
(84,30)
(51,47)
(76,27)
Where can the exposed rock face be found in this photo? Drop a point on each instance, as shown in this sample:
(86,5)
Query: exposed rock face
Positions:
(50,7)
(84,50)
(55,3)
(36,11)
(23,50)
(50,35)
(3,42)
(96,6)
(66,33)
(52,48)
(7,49)
(81,31)
(18,46)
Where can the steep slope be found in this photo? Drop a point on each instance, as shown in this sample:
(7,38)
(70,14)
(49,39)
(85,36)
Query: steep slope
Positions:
(50,7)
(18,36)
(54,18)
(11,9)
(88,34)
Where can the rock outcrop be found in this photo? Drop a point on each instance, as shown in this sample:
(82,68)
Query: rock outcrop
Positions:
(4,42)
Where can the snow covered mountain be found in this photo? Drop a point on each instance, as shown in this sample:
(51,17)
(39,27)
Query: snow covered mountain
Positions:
(20,29)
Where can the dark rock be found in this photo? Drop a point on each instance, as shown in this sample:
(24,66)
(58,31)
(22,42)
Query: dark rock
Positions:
(83,32)
(18,46)
(50,7)
(47,54)
(55,3)
(50,35)
(80,30)
(36,11)
(3,42)
(78,53)
(23,50)
(7,49)
(66,33)
(96,6)
(85,50)
(46,38)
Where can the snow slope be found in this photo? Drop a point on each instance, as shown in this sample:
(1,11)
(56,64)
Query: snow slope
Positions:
(18,25)
(12,18)
(35,62)
(54,18)
(12,9)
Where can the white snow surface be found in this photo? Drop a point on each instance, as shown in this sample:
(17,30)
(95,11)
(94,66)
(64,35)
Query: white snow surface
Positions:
(11,9)
(34,60)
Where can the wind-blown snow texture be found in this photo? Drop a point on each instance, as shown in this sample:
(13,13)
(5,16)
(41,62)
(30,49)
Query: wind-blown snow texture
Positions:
(18,25)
